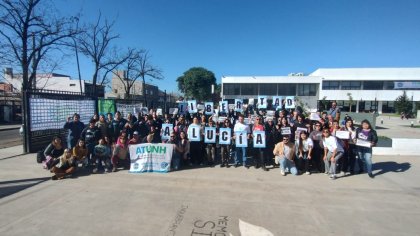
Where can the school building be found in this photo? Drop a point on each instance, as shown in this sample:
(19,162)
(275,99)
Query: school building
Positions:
(370,89)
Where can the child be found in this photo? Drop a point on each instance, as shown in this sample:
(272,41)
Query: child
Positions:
(80,153)
(101,152)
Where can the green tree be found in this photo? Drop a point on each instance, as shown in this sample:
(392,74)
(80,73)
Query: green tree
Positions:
(403,104)
(196,82)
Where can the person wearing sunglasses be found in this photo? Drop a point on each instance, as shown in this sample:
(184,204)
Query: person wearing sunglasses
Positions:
(333,151)
(285,152)
(259,154)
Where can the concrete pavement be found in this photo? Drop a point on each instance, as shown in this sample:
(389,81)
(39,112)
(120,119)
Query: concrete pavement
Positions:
(210,201)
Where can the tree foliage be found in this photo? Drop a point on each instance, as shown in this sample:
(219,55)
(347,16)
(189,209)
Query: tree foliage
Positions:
(196,83)
(403,104)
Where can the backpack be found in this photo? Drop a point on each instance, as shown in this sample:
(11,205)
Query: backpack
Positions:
(40,156)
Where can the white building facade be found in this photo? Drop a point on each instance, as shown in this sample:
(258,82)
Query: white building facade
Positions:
(371,89)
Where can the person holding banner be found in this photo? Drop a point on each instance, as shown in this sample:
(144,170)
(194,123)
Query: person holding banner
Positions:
(225,136)
(240,126)
(210,141)
(333,151)
(350,153)
(285,129)
(177,150)
(194,135)
(284,152)
(366,138)
(259,156)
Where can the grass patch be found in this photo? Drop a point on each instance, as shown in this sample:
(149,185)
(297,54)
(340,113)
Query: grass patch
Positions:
(414,126)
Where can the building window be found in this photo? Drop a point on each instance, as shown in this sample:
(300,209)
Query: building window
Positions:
(72,85)
(231,89)
(373,85)
(151,92)
(286,90)
(307,90)
(351,85)
(331,85)
(249,89)
(115,90)
(268,89)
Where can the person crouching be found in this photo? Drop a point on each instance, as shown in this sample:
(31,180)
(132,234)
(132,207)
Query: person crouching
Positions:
(120,154)
(64,167)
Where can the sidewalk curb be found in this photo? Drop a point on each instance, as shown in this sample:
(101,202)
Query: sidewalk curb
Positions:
(6,129)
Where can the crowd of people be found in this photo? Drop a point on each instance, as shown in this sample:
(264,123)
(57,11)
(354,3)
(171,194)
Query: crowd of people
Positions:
(294,143)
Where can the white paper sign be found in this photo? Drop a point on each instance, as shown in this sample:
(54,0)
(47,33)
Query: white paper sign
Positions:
(192,106)
(194,133)
(259,139)
(290,102)
(342,134)
(363,143)
(277,102)
(159,112)
(223,107)
(182,108)
(241,139)
(150,157)
(262,102)
(238,105)
(210,134)
(225,136)
(167,129)
(208,108)
(286,131)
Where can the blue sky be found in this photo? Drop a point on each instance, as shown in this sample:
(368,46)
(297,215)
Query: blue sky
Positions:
(244,37)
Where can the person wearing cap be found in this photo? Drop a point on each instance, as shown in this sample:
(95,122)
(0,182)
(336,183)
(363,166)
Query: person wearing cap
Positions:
(75,128)
(135,139)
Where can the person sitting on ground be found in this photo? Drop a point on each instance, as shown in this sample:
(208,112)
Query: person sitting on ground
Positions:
(284,152)
(53,151)
(64,167)
(120,154)
(102,153)
(80,153)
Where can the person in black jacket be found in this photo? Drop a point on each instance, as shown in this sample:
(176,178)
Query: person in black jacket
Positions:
(91,135)
(75,128)
(116,126)
(366,138)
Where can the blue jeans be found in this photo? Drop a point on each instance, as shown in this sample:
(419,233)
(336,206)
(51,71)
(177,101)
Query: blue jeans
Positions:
(241,150)
(365,159)
(286,163)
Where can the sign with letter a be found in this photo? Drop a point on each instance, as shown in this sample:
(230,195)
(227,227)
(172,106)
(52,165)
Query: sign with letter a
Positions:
(194,133)
(192,106)
(262,102)
(225,136)
(238,105)
(277,102)
(241,139)
(208,108)
(290,102)
(259,139)
(223,107)
(167,129)
(210,135)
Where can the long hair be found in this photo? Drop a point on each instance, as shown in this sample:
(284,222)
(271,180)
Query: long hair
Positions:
(301,140)
(367,122)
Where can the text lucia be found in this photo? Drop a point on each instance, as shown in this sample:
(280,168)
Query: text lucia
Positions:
(151,149)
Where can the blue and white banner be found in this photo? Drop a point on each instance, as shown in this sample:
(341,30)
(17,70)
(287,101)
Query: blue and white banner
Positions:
(192,106)
(223,107)
(150,157)
(208,108)
(225,135)
(277,102)
(210,134)
(166,131)
(290,102)
(262,102)
(194,133)
(241,139)
(259,139)
(238,105)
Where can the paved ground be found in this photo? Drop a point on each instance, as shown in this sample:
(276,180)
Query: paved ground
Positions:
(10,137)
(394,127)
(209,201)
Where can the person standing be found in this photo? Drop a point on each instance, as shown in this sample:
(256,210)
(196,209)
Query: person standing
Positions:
(334,111)
(365,134)
(240,126)
(75,128)
(91,135)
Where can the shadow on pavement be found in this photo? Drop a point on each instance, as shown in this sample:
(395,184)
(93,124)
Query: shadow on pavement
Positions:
(13,186)
(390,166)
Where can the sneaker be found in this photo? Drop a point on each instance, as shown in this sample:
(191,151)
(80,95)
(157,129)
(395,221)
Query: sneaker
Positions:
(54,177)
(245,166)
(227,165)
(371,176)
(308,173)
(236,165)
(222,165)
(282,172)
(333,177)
(95,170)
(114,169)
(326,172)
